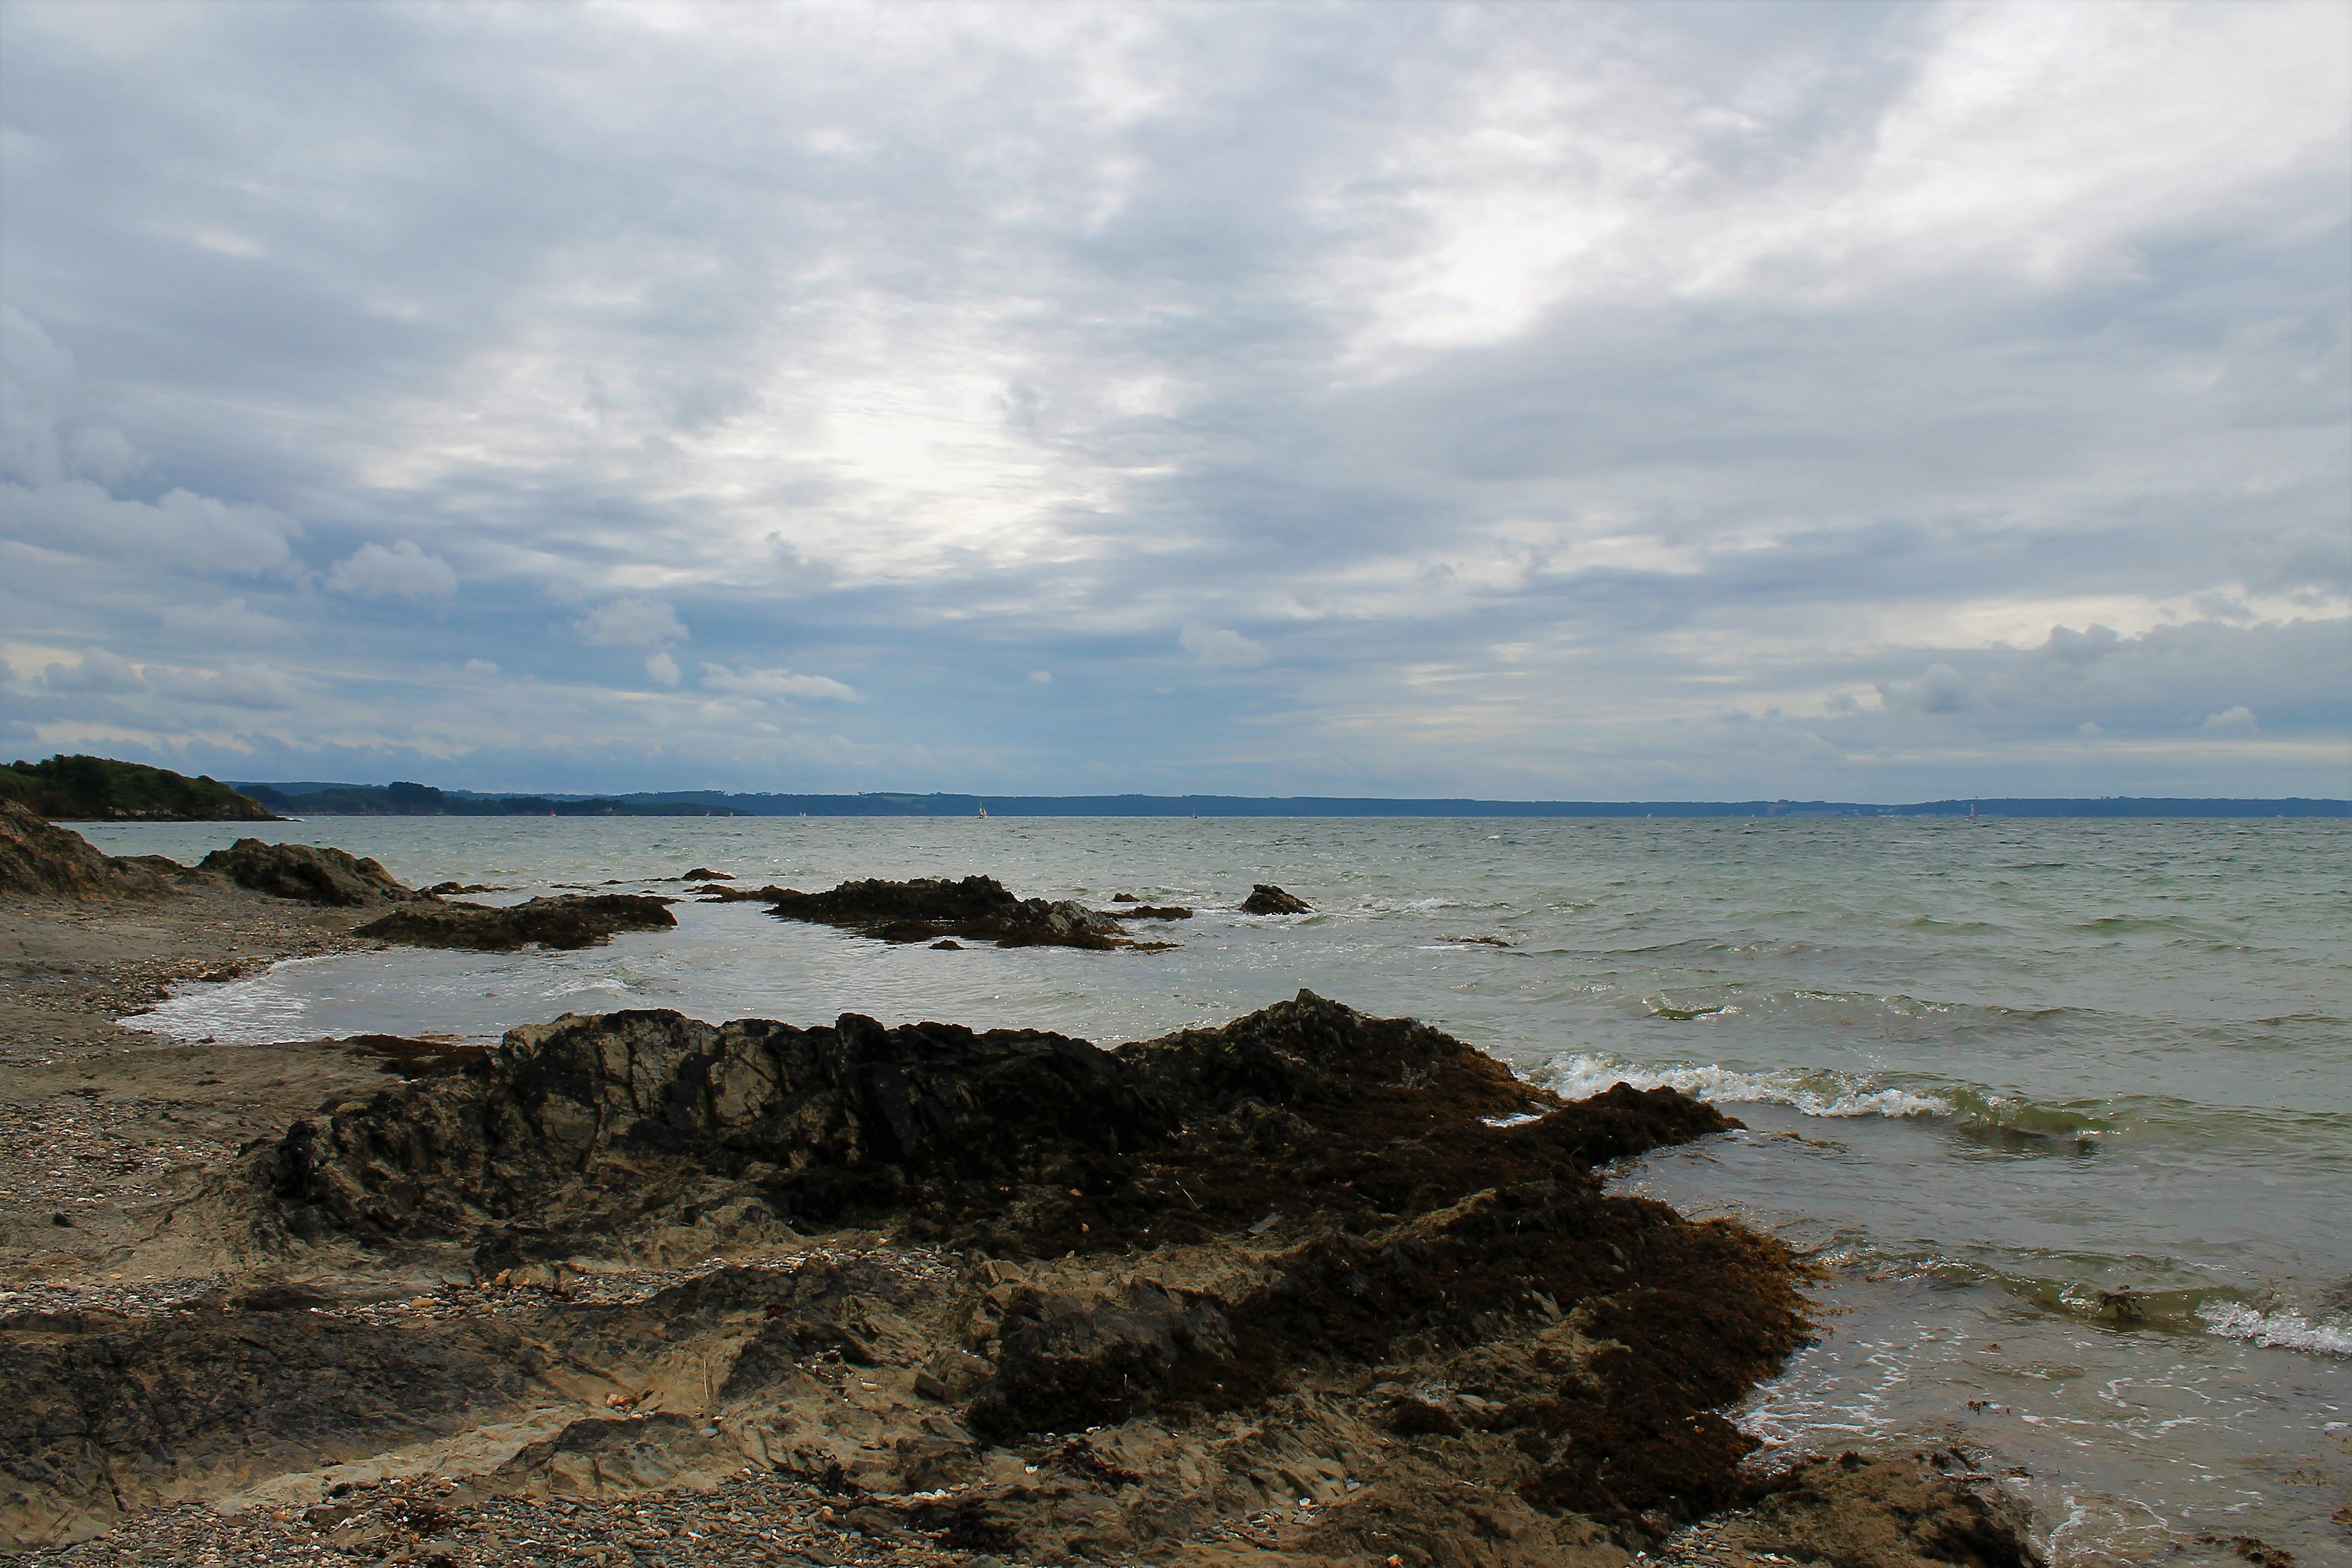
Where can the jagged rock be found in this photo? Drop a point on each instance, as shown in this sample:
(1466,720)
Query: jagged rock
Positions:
(566,921)
(1151,913)
(41,860)
(311,873)
(705,874)
(978,908)
(1265,899)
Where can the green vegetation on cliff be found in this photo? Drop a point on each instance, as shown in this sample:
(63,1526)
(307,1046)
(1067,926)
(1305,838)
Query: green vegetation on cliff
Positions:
(100,789)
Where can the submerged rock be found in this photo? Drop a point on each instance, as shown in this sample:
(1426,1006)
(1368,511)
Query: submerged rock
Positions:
(43,860)
(929,908)
(310,873)
(566,921)
(1265,899)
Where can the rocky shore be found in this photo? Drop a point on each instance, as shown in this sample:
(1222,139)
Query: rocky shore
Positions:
(1311,1287)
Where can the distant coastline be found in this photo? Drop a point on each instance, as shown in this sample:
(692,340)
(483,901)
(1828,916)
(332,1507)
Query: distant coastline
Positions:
(320,799)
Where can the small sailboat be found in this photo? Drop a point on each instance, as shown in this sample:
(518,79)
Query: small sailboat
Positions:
(983,811)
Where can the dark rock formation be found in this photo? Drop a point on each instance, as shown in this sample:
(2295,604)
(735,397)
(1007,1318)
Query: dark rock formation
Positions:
(311,873)
(1305,1187)
(1265,899)
(705,874)
(566,921)
(45,861)
(929,908)
(1151,913)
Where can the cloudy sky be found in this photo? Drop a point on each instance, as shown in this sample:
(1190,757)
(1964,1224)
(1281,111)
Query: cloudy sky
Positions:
(1664,401)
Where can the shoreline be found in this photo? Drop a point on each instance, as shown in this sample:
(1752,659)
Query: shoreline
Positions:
(187,1248)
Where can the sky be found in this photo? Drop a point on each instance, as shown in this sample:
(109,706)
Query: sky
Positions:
(1557,401)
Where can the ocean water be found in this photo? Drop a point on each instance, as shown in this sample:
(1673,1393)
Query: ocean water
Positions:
(1994,1075)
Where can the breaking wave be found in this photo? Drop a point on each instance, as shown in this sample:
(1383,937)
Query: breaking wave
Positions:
(2289,1331)
(1816,1093)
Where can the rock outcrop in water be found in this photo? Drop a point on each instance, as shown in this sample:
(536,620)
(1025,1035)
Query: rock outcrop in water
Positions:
(566,921)
(309,873)
(1265,899)
(928,908)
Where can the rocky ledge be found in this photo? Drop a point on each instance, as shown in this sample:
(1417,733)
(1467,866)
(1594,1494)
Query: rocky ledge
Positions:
(932,909)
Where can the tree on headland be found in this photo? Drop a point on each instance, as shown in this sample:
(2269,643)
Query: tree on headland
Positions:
(100,789)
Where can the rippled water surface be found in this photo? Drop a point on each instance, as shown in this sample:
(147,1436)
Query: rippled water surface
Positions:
(1995,1074)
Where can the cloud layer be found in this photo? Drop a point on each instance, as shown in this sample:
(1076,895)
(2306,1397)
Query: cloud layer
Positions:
(1712,400)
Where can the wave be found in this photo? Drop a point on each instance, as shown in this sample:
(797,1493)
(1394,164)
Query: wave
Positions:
(1817,1093)
(1821,1091)
(2288,1331)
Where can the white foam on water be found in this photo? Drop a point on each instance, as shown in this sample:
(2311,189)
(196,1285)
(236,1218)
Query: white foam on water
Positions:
(235,1012)
(1812,1093)
(2285,1331)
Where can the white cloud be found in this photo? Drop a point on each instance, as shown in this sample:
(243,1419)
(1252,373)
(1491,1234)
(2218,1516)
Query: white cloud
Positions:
(2237,720)
(403,571)
(632,623)
(98,672)
(1218,649)
(772,685)
(661,667)
(1041,678)
(480,667)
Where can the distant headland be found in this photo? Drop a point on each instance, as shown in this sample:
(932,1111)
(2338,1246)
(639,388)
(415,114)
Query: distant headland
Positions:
(417,800)
(100,789)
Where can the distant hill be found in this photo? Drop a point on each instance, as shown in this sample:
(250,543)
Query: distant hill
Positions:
(405,799)
(100,789)
(420,800)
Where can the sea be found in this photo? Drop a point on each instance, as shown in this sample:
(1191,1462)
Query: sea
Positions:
(2061,1111)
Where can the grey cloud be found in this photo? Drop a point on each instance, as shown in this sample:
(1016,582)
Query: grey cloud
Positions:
(1219,649)
(251,686)
(632,623)
(1556,397)
(232,620)
(400,571)
(98,671)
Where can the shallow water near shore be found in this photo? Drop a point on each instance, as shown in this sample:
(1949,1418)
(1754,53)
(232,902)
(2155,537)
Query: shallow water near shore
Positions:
(2065,1108)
